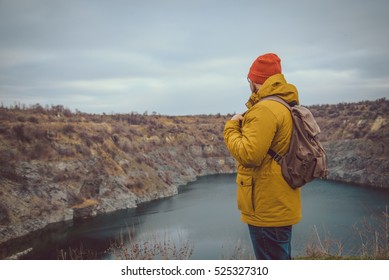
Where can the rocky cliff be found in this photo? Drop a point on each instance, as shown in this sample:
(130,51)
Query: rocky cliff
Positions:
(356,138)
(56,165)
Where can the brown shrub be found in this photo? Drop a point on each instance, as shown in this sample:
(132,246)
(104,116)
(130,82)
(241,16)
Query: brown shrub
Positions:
(19,133)
(40,151)
(67,129)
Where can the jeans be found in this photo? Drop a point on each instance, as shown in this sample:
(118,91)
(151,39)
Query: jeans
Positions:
(271,243)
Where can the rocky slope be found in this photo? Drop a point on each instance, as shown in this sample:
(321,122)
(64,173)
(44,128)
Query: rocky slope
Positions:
(60,166)
(56,165)
(356,138)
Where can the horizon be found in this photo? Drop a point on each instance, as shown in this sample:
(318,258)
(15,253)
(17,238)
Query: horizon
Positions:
(21,106)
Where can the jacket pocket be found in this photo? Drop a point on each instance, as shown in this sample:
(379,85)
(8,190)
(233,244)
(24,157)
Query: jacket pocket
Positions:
(245,194)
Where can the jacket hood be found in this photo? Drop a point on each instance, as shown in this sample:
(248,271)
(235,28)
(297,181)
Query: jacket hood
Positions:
(275,85)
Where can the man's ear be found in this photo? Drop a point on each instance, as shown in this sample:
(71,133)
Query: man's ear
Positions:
(253,87)
(256,87)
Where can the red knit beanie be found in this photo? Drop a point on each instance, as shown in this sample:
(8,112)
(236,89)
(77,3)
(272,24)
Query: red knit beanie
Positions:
(263,67)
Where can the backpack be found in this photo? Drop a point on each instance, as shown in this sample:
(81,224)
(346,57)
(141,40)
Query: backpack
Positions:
(306,158)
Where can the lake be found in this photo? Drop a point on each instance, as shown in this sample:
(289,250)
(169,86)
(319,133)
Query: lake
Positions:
(204,214)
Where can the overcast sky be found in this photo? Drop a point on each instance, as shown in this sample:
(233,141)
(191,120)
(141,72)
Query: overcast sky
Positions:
(188,57)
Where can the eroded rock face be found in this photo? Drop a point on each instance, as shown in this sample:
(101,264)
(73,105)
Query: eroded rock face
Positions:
(92,168)
(59,168)
(39,201)
(359,161)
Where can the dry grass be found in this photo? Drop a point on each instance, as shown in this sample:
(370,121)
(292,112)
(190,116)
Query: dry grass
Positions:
(80,253)
(374,242)
(374,237)
(129,247)
(86,203)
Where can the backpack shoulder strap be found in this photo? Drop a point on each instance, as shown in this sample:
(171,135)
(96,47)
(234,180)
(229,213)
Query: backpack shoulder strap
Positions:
(278,99)
(274,155)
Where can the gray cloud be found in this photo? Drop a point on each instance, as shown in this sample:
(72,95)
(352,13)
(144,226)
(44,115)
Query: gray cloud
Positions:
(188,57)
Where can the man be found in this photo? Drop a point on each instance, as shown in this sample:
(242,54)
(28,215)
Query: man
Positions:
(267,203)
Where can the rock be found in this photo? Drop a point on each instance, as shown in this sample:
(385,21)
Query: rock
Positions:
(359,161)
(84,165)
(20,254)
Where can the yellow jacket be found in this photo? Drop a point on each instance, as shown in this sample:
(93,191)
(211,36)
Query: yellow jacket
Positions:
(264,198)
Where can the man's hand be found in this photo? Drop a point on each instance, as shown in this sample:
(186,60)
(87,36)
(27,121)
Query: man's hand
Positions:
(237,117)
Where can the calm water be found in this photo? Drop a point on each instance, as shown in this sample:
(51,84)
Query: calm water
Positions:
(204,212)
